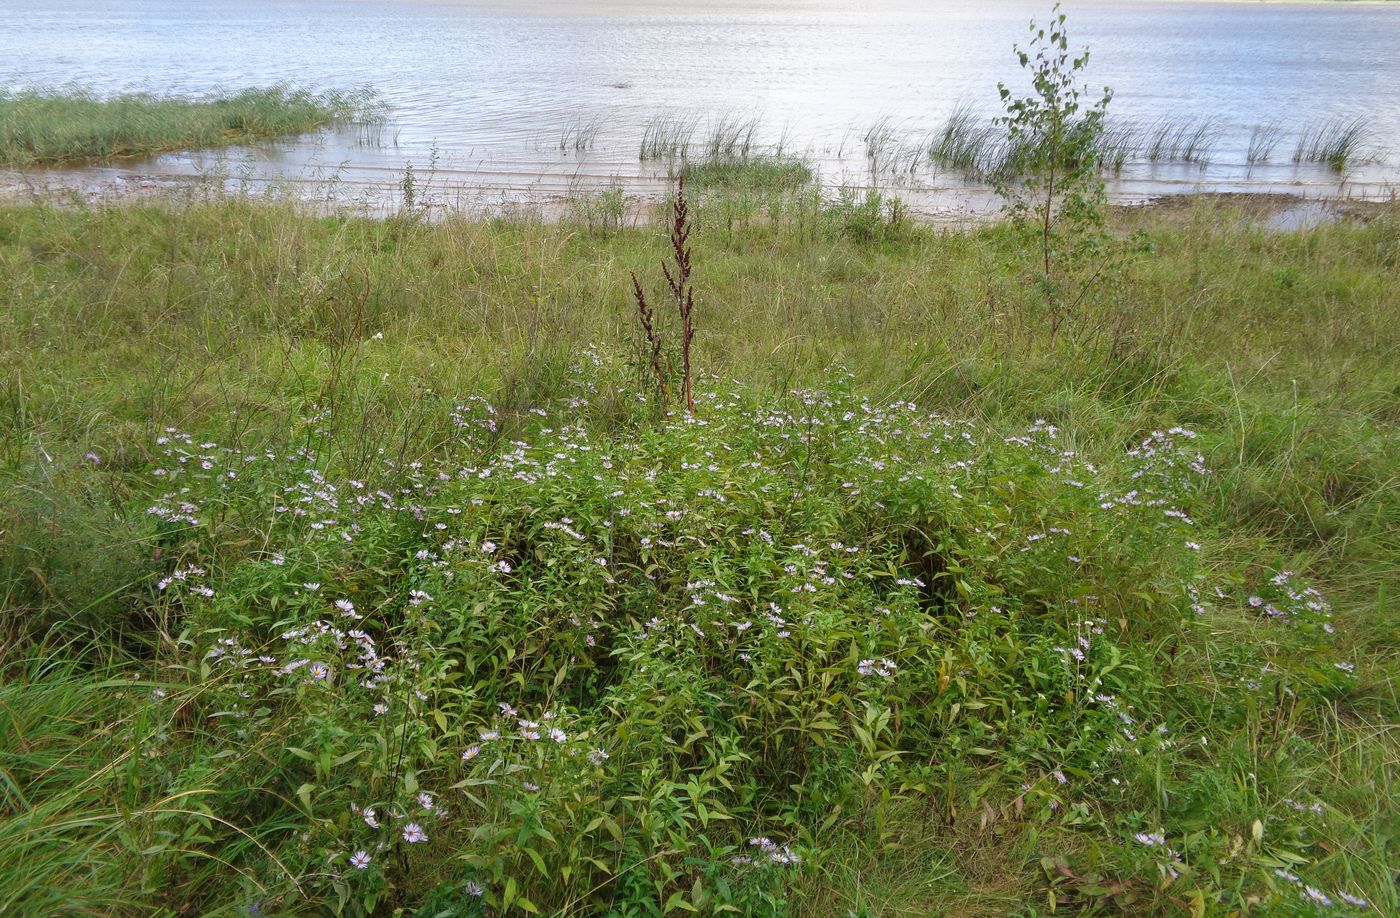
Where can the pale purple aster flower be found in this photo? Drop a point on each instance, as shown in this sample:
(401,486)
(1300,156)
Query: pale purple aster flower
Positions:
(1317,895)
(473,889)
(413,833)
(470,753)
(359,860)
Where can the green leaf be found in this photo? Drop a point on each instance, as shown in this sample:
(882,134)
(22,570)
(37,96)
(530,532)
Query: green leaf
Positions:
(539,862)
(678,901)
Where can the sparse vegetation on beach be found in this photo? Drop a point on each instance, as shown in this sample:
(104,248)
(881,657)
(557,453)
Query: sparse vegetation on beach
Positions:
(755,173)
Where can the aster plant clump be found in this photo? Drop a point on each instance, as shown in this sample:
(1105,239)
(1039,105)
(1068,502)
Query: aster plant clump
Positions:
(668,668)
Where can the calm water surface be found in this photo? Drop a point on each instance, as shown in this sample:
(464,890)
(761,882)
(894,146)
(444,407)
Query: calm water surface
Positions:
(481,93)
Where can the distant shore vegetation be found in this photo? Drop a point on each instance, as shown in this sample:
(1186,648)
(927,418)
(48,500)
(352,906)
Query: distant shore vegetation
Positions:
(45,126)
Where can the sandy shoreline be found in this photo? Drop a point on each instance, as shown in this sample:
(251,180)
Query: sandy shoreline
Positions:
(952,207)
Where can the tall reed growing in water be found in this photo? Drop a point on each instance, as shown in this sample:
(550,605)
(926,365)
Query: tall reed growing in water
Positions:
(1336,143)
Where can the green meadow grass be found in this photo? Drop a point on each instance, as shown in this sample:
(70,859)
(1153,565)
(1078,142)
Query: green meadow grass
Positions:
(348,565)
(45,127)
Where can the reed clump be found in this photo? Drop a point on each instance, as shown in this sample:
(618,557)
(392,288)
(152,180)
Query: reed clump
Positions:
(1263,140)
(668,137)
(731,138)
(580,135)
(1116,144)
(968,143)
(1336,143)
(1179,140)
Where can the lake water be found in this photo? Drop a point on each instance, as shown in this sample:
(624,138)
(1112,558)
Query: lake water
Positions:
(483,91)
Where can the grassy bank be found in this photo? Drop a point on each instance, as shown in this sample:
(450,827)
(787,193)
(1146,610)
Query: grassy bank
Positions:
(47,127)
(348,565)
